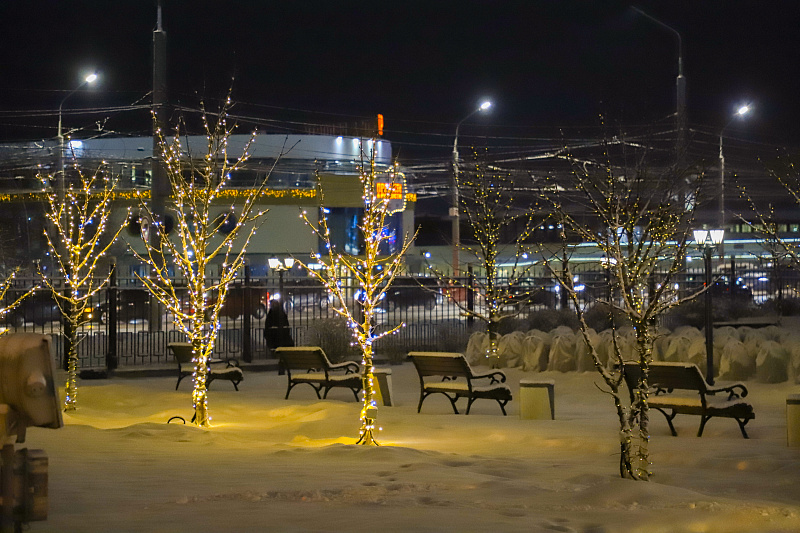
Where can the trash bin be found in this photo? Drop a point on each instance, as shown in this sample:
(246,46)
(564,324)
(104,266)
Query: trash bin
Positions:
(383,376)
(793,420)
(537,399)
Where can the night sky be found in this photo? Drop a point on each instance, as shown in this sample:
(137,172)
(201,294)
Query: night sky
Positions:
(423,65)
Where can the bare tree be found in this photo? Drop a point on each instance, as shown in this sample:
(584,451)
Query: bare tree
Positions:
(501,226)
(764,218)
(373,269)
(79,238)
(6,285)
(197,190)
(640,221)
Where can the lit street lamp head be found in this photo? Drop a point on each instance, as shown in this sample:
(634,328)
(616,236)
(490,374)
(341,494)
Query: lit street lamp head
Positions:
(90,78)
(485,105)
(743,110)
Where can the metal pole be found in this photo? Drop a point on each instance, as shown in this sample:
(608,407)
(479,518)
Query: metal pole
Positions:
(455,207)
(247,331)
(709,325)
(280,286)
(160,186)
(470,295)
(111,318)
(721,185)
(680,86)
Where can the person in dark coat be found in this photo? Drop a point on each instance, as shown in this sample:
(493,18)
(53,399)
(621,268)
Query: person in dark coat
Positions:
(277,331)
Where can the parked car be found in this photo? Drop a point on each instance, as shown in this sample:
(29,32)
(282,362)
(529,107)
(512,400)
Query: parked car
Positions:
(40,308)
(132,304)
(234,304)
(304,292)
(531,292)
(407,291)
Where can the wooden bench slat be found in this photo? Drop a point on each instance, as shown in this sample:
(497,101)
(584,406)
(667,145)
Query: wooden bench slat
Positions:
(310,365)
(457,380)
(665,378)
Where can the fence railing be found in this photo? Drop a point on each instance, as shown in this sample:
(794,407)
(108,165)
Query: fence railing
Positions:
(129,329)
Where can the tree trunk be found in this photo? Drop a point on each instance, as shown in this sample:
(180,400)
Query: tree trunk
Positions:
(369,408)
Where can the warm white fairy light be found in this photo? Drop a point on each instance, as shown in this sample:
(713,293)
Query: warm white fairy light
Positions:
(197,190)
(373,272)
(78,241)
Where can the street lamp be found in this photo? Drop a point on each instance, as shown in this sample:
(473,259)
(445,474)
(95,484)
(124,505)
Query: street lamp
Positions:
(281,266)
(741,112)
(454,208)
(708,241)
(86,81)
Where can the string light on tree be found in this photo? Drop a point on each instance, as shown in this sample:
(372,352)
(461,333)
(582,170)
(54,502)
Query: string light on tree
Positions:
(79,239)
(372,270)
(198,186)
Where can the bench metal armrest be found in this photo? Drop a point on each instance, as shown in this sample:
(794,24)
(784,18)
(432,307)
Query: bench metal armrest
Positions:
(496,377)
(350,367)
(228,362)
(731,390)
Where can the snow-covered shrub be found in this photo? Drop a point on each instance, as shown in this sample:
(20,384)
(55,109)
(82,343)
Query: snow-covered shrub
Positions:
(736,363)
(537,350)
(477,347)
(562,352)
(771,363)
(511,349)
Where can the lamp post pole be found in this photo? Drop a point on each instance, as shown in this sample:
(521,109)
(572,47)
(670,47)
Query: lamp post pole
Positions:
(454,205)
(742,111)
(281,266)
(708,241)
(680,86)
(709,324)
(62,178)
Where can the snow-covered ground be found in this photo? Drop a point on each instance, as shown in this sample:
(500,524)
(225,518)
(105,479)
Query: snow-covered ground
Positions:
(270,464)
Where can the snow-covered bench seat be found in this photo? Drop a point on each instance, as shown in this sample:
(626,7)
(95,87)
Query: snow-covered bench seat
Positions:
(183,356)
(457,380)
(698,398)
(309,364)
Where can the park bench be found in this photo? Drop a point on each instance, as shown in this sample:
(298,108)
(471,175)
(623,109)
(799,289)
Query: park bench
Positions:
(457,380)
(183,356)
(309,364)
(698,398)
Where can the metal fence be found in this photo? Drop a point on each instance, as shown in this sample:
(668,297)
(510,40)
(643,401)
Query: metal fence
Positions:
(128,329)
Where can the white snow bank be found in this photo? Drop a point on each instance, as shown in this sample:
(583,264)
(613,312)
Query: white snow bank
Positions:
(271,464)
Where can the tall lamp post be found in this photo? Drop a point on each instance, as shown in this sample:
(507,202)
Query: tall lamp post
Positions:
(708,241)
(281,266)
(741,112)
(680,85)
(86,81)
(454,207)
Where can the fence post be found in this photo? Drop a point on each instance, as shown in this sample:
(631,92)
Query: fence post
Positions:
(470,295)
(111,318)
(67,328)
(247,346)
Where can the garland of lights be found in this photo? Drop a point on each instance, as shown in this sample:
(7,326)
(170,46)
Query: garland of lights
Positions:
(374,273)
(261,193)
(78,241)
(197,184)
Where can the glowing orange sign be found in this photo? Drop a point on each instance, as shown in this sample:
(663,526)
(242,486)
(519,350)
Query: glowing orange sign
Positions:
(389,191)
